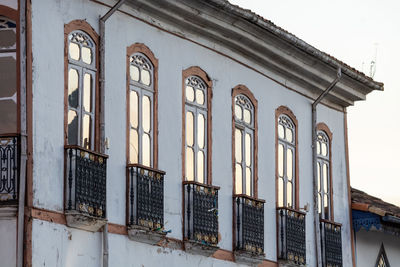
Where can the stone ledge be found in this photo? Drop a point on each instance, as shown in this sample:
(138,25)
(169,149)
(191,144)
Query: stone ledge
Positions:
(248,258)
(197,248)
(145,235)
(287,263)
(83,221)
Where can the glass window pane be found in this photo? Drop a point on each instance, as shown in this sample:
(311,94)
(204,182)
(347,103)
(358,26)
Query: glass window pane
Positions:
(146,114)
(73,90)
(8,77)
(280,160)
(248,148)
(247,116)
(133,146)
(87,92)
(238,145)
(8,117)
(325,174)
(87,131)
(280,192)
(289,135)
(248,181)
(199,97)
(281,131)
(189,164)
(72,128)
(289,195)
(134,72)
(146,151)
(200,167)
(319,204)
(238,179)
(324,149)
(189,128)
(133,114)
(200,130)
(74,51)
(318,144)
(326,206)
(289,164)
(238,112)
(189,93)
(87,55)
(145,77)
(319,176)
(8,38)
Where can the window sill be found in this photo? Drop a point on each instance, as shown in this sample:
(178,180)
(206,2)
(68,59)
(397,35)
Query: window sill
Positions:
(83,221)
(145,235)
(248,258)
(197,248)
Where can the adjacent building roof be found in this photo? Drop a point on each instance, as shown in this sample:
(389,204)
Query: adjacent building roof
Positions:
(363,202)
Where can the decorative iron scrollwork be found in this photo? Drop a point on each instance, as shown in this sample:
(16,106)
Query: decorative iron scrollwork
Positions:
(331,243)
(9,168)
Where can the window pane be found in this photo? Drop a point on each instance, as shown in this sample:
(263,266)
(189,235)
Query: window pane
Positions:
(319,176)
(199,97)
(8,38)
(133,146)
(289,195)
(72,128)
(8,116)
(87,131)
(238,145)
(8,93)
(189,93)
(319,204)
(74,51)
(280,160)
(189,128)
(318,144)
(146,115)
(238,112)
(200,131)
(134,72)
(248,148)
(247,116)
(87,55)
(189,164)
(280,192)
(146,152)
(325,173)
(133,115)
(238,179)
(200,167)
(289,135)
(281,131)
(248,181)
(73,90)
(145,77)
(326,206)
(324,149)
(87,92)
(289,164)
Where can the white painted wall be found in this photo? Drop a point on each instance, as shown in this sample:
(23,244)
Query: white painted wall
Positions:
(10,3)
(174,55)
(368,245)
(8,242)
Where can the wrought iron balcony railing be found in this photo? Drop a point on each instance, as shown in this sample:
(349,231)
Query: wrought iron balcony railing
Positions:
(292,235)
(249,224)
(201,213)
(331,243)
(9,168)
(85,181)
(146,197)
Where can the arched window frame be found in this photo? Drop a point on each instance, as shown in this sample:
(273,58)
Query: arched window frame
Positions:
(237,91)
(323,129)
(13,15)
(198,72)
(285,111)
(382,260)
(82,26)
(152,89)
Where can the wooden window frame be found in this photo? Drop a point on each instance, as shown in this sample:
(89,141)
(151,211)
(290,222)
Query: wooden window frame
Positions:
(197,71)
(322,127)
(82,25)
(283,110)
(243,90)
(143,49)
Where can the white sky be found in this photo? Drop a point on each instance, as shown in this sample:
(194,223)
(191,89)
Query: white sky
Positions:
(350,30)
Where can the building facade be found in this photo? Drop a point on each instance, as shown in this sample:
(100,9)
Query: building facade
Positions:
(170,133)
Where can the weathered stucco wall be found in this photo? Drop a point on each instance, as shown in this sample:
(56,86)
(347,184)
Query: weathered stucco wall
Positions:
(174,55)
(8,241)
(368,245)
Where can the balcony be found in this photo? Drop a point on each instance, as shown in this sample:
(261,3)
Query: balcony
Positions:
(331,243)
(201,218)
(145,204)
(291,236)
(85,188)
(9,169)
(249,226)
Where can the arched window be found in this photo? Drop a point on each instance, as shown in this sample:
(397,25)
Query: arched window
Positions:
(8,69)
(382,260)
(197,122)
(287,158)
(81,47)
(141,109)
(323,145)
